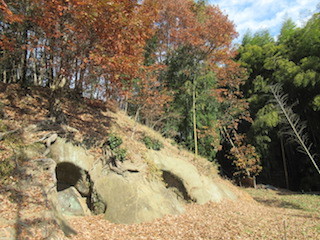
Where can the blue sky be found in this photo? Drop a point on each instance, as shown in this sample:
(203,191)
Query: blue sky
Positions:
(265,14)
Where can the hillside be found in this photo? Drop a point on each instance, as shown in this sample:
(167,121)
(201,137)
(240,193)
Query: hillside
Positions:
(28,206)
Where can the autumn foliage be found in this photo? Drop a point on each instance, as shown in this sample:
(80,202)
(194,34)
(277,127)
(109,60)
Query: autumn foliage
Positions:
(246,159)
(120,51)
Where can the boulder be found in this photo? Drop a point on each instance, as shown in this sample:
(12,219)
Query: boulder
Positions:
(188,180)
(133,199)
(72,204)
(64,151)
(125,190)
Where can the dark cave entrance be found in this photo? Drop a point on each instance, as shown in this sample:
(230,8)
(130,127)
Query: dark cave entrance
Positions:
(69,175)
(175,184)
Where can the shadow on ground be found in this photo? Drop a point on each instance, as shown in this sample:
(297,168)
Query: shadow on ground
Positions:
(277,203)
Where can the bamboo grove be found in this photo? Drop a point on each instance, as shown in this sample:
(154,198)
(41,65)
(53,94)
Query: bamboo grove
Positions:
(285,128)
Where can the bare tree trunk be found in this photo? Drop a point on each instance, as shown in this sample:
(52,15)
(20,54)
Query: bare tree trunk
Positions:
(18,74)
(42,68)
(34,66)
(195,135)
(78,84)
(92,91)
(24,61)
(55,97)
(135,122)
(136,117)
(13,73)
(4,73)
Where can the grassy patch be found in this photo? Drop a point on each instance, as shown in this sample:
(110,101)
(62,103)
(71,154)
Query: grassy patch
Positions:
(287,199)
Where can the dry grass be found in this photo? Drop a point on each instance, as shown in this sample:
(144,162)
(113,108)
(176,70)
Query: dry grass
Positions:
(132,133)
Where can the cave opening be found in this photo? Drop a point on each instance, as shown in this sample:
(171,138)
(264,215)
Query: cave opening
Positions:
(71,176)
(175,184)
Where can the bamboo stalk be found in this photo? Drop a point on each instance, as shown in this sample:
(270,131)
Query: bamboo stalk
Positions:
(195,135)
(282,105)
(284,163)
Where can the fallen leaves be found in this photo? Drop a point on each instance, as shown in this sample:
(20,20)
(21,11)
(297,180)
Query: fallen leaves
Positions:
(225,220)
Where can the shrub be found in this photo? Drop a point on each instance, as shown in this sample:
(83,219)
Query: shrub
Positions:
(120,154)
(114,141)
(152,143)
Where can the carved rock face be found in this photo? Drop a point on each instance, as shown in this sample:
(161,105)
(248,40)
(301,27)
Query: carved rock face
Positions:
(126,193)
(183,176)
(82,192)
(133,199)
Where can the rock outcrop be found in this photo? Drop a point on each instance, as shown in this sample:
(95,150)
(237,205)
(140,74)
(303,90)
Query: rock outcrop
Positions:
(130,196)
(133,199)
(72,204)
(195,186)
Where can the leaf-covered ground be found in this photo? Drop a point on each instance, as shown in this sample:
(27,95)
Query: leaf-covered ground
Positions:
(276,215)
(226,220)
(25,211)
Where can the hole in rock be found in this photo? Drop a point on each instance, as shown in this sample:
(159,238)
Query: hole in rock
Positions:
(69,175)
(176,185)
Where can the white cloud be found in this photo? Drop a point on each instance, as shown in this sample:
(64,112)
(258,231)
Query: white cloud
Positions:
(265,14)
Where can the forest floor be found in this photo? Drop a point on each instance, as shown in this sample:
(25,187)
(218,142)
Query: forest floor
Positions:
(274,215)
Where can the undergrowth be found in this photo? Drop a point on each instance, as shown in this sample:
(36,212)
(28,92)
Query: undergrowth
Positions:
(3,127)
(152,143)
(114,142)
(120,154)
